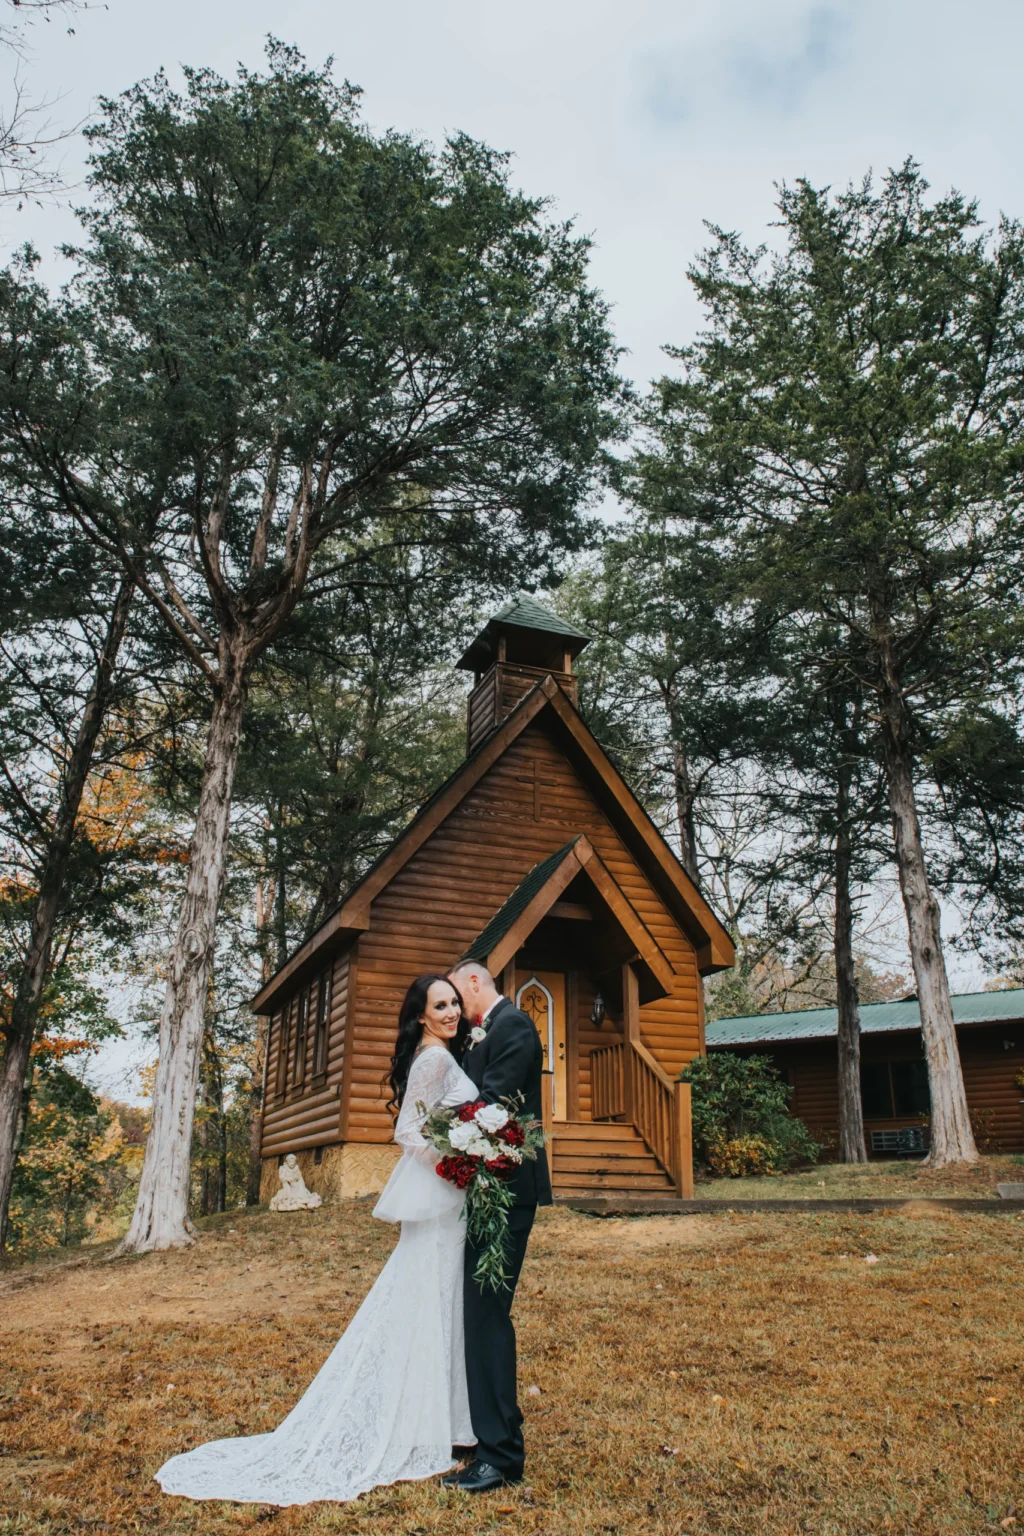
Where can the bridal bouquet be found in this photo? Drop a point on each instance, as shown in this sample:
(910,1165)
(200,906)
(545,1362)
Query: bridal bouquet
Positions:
(481,1147)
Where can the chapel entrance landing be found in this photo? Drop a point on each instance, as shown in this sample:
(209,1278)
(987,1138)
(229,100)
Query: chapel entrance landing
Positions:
(578,959)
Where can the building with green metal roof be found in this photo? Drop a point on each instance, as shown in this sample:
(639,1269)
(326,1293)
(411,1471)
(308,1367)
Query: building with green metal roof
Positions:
(894,1084)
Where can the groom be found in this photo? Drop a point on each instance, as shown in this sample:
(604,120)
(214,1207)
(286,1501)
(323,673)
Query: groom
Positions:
(506,1061)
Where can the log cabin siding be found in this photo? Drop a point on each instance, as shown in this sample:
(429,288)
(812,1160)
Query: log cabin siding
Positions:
(591,1038)
(529,804)
(993,1097)
(305,1111)
(989,1069)
(498,692)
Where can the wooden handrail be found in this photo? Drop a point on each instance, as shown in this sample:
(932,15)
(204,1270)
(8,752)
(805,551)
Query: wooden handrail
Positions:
(653,1109)
(653,1066)
(627,1082)
(607,1101)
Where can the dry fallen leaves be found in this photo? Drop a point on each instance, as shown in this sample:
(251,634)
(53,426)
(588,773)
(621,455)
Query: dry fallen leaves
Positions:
(599,1347)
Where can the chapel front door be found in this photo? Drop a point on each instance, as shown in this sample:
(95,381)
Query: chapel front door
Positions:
(541,996)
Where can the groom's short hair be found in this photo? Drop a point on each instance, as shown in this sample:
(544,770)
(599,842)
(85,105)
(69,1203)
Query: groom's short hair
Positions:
(472,965)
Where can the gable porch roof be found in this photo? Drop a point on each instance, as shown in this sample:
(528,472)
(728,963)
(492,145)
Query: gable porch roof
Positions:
(537,893)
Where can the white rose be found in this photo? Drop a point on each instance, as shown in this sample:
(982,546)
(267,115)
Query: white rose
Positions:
(477,1033)
(492,1117)
(479,1146)
(462,1133)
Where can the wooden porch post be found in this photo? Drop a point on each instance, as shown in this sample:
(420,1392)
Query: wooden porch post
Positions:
(546,1117)
(572,1045)
(631,1035)
(682,1137)
(630,1004)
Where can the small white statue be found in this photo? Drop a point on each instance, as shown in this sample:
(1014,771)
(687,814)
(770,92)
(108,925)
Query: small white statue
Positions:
(293,1194)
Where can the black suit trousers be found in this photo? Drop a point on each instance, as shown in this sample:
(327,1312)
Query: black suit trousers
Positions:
(491,1354)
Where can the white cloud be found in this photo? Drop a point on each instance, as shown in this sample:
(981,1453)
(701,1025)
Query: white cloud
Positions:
(641,121)
(770,70)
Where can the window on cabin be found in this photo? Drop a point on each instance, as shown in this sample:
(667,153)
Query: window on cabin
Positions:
(323,1010)
(910,1088)
(876,1090)
(893,1090)
(301,1028)
(283,1036)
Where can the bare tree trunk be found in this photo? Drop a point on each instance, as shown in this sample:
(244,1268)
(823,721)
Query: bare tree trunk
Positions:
(254,1176)
(15,1069)
(258,1076)
(161,1218)
(281,899)
(682,784)
(952,1139)
(684,810)
(852,1148)
(203,1135)
(222,1155)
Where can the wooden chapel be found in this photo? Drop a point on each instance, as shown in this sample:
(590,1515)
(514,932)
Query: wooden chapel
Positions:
(536,858)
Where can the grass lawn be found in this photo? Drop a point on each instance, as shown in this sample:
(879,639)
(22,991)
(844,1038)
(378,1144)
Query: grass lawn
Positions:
(719,1374)
(903,1178)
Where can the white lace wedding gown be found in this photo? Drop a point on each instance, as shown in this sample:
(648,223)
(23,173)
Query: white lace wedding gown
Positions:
(390,1401)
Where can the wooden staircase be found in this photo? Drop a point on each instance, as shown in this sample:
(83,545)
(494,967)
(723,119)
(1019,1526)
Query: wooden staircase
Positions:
(592,1157)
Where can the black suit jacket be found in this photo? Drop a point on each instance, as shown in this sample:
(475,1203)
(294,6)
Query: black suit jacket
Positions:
(508,1061)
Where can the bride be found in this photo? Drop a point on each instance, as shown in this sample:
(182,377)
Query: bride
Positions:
(390,1401)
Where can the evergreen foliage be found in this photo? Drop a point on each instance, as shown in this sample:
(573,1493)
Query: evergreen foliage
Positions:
(741,1118)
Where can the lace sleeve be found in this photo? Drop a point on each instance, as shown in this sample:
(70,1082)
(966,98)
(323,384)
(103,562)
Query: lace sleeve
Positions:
(428,1080)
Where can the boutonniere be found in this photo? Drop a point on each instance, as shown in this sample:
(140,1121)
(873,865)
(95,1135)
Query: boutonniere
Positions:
(478,1031)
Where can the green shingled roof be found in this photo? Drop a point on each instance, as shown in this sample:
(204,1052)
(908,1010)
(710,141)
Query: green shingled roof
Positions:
(516,904)
(875,1018)
(527,613)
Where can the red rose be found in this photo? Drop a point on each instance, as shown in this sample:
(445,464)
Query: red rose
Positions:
(459,1171)
(465,1112)
(513,1134)
(502,1167)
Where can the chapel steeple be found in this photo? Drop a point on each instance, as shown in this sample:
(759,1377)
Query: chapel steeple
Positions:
(521,645)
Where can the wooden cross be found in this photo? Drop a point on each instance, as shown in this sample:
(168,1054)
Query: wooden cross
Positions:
(534,778)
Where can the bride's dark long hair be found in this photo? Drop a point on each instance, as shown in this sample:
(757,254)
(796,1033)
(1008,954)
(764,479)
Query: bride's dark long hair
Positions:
(410,1033)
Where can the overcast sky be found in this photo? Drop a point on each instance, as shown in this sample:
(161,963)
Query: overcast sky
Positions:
(639,120)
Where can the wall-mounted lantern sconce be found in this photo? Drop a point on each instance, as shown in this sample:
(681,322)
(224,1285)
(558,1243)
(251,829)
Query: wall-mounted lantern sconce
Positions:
(597,1016)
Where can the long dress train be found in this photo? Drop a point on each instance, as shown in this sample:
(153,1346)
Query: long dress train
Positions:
(390,1401)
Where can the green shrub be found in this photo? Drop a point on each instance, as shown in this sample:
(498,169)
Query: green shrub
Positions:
(741,1118)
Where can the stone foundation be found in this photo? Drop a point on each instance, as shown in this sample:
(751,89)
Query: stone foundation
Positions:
(344,1172)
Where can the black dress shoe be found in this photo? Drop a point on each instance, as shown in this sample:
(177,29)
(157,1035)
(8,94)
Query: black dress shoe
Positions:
(481,1477)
